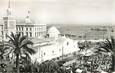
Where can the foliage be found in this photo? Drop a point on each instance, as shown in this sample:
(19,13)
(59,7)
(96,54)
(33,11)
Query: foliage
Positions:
(48,67)
(19,45)
(108,46)
(3,49)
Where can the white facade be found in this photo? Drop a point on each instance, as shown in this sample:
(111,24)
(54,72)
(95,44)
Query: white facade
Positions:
(57,48)
(25,26)
(32,30)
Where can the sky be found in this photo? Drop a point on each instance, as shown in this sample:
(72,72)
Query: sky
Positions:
(63,11)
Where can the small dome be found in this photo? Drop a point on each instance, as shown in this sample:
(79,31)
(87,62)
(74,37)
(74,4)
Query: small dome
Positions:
(53,30)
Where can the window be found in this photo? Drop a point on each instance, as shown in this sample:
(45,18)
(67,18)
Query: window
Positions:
(22,28)
(67,43)
(44,53)
(35,34)
(6,36)
(26,28)
(30,29)
(2,32)
(16,28)
(6,26)
(27,33)
(30,34)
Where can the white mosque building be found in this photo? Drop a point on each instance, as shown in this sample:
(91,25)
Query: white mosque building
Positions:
(55,46)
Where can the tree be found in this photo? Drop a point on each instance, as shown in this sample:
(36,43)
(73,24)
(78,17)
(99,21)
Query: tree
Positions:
(108,46)
(48,67)
(1,52)
(3,48)
(19,45)
(81,46)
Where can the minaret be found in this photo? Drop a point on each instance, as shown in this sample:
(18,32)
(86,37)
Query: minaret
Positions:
(9,22)
(9,9)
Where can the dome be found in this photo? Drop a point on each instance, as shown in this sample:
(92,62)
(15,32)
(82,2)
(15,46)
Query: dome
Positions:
(53,30)
(27,20)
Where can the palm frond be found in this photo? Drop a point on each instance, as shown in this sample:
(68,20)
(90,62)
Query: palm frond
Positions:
(13,36)
(11,51)
(5,48)
(27,56)
(22,39)
(11,39)
(29,50)
(105,46)
(25,43)
(109,43)
(11,45)
(18,35)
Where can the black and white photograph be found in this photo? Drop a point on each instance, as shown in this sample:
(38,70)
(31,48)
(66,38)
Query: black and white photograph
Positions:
(57,36)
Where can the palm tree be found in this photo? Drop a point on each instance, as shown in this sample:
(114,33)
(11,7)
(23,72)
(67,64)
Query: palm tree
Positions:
(19,45)
(109,46)
(81,46)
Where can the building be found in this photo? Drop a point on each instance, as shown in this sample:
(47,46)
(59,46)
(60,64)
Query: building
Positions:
(53,32)
(1,30)
(30,28)
(25,26)
(54,48)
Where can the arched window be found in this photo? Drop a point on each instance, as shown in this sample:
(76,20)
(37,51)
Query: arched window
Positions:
(67,43)
(26,28)
(30,34)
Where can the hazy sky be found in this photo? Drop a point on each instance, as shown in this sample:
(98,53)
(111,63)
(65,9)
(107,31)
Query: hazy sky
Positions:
(64,11)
